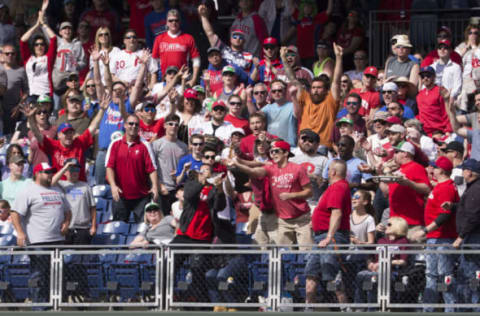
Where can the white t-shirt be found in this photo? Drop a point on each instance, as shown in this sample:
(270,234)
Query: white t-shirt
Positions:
(126,65)
(314,166)
(376,142)
(360,230)
(37,75)
(163,108)
(101,67)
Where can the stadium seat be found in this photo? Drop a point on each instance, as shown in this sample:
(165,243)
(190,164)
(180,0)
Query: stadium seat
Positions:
(8,240)
(6,229)
(117,227)
(102,190)
(102,204)
(16,278)
(123,280)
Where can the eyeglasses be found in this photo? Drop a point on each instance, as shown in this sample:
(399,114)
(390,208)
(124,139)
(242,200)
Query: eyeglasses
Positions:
(388,92)
(237,36)
(352,103)
(307,139)
(208,157)
(197,144)
(39,44)
(275,151)
(9,53)
(172,20)
(150,109)
(259,92)
(173,124)
(271,47)
(277,91)
(235,103)
(356,196)
(219,109)
(90,86)
(131,37)
(42,112)
(133,124)
(103,34)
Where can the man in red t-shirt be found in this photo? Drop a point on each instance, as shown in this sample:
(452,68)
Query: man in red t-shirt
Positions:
(131,166)
(440,229)
(174,48)
(290,188)
(412,183)
(331,225)
(370,97)
(258,127)
(67,146)
(150,129)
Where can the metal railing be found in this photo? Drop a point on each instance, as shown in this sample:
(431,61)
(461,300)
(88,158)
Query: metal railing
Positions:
(230,276)
(420,25)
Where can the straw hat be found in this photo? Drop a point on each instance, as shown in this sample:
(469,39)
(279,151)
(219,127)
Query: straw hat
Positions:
(412,90)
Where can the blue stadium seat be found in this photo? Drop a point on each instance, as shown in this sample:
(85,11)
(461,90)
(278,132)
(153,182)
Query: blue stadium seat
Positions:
(117,227)
(99,219)
(16,277)
(102,204)
(102,190)
(109,239)
(6,229)
(8,240)
(123,280)
(258,277)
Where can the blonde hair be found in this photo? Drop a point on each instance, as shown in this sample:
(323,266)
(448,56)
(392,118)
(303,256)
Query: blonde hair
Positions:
(97,41)
(399,226)
(145,216)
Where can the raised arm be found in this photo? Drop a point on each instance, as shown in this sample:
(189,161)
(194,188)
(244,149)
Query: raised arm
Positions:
(57,176)
(337,73)
(207,27)
(295,92)
(450,108)
(258,172)
(26,36)
(30,113)
(107,75)
(104,103)
(137,88)
(99,87)
(288,69)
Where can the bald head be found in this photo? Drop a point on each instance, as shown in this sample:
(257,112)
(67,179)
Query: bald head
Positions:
(337,169)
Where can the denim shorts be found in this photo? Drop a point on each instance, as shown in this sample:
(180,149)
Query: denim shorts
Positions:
(325,266)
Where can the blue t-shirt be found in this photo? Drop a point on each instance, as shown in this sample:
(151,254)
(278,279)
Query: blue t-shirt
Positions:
(155,24)
(111,122)
(473,137)
(196,164)
(281,122)
(353,174)
(407,112)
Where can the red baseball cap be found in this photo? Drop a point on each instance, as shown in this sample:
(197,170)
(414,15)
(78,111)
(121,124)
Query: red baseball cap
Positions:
(443,163)
(238,31)
(445,42)
(190,94)
(43,166)
(283,145)
(219,103)
(270,41)
(394,120)
(371,70)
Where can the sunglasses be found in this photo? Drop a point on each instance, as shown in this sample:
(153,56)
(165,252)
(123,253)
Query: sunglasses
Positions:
(172,20)
(237,36)
(235,103)
(150,109)
(370,77)
(42,112)
(277,91)
(197,144)
(130,37)
(74,169)
(352,103)
(90,86)
(269,47)
(275,151)
(173,124)
(133,124)
(426,75)
(388,92)
(291,55)
(473,33)
(209,157)
(47,171)
(356,196)
(344,81)
(259,92)
(9,53)
(307,139)
(219,109)
(73,79)
(380,122)
(39,44)
(104,34)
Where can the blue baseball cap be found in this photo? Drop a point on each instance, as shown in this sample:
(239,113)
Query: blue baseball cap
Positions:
(64,127)
(427,69)
(471,164)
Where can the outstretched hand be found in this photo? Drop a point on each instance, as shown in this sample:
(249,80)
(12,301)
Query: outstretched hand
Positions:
(338,50)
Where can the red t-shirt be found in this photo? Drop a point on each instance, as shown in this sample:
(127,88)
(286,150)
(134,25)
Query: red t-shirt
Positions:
(147,132)
(174,51)
(431,111)
(132,165)
(433,57)
(406,202)
(58,154)
(247,145)
(215,82)
(239,123)
(107,18)
(370,100)
(292,178)
(345,36)
(306,32)
(336,196)
(201,226)
(442,192)
(138,10)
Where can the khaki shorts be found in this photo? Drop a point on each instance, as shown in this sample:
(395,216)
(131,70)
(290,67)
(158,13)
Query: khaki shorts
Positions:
(296,230)
(267,229)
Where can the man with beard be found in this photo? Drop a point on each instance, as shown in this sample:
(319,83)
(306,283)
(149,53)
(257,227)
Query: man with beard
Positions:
(318,108)
(258,125)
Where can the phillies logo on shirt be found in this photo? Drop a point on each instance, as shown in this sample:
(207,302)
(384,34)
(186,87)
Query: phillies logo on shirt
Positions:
(172,47)
(309,167)
(113,117)
(283,181)
(51,198)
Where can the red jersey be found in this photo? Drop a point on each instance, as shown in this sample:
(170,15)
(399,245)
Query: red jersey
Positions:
(404,201)
(58,154)
(337,196)
(138,10)
(431,111)
(132,164)
(107,18)
(239,123)
(147,132)
(306,32)
(174,51)
(86,48)
(433,57)
(370,100)
(215,82)
(201,226)
(292,178)
(443,192)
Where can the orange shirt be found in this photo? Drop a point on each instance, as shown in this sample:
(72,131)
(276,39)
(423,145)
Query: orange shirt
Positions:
(320,118)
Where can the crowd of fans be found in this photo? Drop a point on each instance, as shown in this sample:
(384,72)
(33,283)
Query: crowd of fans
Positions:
(278,132)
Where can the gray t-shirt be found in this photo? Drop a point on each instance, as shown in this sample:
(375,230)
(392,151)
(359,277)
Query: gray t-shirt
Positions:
(80,197)
(43,212)
(472,119)
(163,232)
(399,69)
(17,82)
(168,154)
(473,137)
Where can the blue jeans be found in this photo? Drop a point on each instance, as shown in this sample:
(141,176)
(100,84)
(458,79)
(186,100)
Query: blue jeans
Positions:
(325,264)
(469,264)
(362,296)
(100,170)
(234,273)
(438,267)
